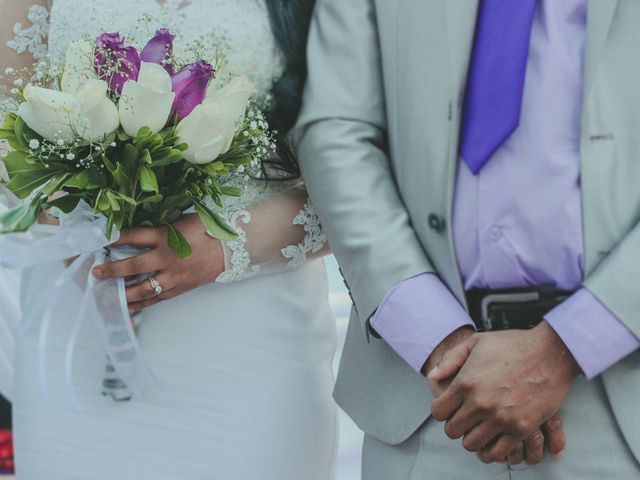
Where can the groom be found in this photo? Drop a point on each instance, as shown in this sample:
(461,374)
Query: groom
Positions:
(476,165)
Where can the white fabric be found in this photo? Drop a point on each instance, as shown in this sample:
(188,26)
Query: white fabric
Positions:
(9,314)
(246,367)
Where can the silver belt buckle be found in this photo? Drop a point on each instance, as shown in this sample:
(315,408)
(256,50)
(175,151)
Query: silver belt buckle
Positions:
(524,297)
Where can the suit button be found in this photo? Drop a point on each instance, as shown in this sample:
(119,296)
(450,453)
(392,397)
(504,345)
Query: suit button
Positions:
(437,223)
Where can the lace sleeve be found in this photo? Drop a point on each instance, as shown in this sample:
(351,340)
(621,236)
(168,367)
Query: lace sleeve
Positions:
(31,38)
(23,36)
(275,232)
(23,41)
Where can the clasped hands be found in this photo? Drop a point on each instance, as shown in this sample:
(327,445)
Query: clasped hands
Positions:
(501,391)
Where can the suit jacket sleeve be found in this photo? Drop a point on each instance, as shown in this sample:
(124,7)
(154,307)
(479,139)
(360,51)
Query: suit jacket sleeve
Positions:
(616,281)
(342,147)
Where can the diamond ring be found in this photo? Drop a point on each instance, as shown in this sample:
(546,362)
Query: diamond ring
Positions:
(155,284)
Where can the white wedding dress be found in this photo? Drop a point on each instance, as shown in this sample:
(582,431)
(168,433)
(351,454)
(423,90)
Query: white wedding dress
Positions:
(245,365)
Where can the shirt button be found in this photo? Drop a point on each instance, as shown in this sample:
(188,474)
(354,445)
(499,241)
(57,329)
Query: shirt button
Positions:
(437,223)
(495,233)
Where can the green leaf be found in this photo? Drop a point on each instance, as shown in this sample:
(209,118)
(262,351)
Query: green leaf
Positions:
(113,201)
(55,184)
(151,200)
(174,157)
(108,163)
(6,134)
(79,180)
(231,192)
(127,199)
(178,243)
(16,163)
(109,229)
(143,134)
(102,203)
(21,218)
(19,128)
(110,139)
(148,180)
(97,178)
(214,169)
(9,121)
(146,157)
(214,223)
(66,203)
(59,77)
(16,145)
(121,177)
(122,136)
(23,184)
(130,154)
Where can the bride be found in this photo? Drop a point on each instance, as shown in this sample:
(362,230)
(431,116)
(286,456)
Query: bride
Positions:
(241,337)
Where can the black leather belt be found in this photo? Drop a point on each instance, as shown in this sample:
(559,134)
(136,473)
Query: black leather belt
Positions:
(520,308)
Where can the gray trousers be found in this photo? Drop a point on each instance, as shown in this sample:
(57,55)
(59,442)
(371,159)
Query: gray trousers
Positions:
(595,450)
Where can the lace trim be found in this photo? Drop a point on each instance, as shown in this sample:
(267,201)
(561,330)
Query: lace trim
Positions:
(236,255)
(314,240)
(31,39)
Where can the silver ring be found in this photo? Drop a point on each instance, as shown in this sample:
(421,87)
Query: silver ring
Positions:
(155,284)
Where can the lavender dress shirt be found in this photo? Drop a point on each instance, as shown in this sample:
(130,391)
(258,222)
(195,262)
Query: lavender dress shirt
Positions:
(518,223)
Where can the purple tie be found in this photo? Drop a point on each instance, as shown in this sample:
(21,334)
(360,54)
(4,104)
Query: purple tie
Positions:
(496,78)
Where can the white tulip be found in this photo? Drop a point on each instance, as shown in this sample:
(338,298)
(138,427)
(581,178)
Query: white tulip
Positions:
(100,112)
(52,114)
(78,68)
(146,102)
(207,130)
(235,96)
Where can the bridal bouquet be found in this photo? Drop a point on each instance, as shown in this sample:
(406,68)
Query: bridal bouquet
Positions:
(121,137)
(137,137)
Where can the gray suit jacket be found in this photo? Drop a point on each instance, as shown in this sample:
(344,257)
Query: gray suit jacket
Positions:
(378,145)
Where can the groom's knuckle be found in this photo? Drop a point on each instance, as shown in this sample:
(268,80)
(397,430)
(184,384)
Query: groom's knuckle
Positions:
(471,445)
(482,405)
(451,431)
(500,418)
(485,457)
(437,413)
(501,451)
(466,386)
(521,425)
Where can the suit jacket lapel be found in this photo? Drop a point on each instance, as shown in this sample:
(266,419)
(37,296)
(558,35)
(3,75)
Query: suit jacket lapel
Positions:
(599,17)
(461,24)
(461,18)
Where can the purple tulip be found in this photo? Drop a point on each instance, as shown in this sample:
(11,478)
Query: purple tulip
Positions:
(159,50)
(190,86)
(115,62)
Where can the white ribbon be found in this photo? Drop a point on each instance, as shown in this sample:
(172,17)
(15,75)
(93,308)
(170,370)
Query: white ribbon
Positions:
(82,235)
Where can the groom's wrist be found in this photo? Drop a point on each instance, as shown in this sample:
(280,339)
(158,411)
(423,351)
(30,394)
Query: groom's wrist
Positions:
(454,338)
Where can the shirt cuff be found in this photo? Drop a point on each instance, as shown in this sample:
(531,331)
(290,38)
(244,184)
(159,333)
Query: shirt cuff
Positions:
(593,334)
(416,316)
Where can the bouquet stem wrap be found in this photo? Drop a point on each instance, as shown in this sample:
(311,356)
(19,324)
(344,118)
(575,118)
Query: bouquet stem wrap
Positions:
(103,302)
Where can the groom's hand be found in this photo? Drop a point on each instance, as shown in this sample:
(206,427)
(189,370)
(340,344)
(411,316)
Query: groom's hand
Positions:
(458,337)
(506,385)
(531,449)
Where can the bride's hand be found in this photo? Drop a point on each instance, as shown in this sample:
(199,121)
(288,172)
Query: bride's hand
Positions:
(175,275)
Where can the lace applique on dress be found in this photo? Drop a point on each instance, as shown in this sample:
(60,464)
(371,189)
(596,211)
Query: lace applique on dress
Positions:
(32,39)
(237,258)
(314,240)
